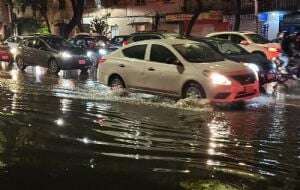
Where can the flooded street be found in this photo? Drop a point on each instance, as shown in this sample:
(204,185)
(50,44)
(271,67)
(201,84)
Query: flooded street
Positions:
(71,132)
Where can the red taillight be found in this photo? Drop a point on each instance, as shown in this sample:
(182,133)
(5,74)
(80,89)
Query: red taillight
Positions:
(125,42)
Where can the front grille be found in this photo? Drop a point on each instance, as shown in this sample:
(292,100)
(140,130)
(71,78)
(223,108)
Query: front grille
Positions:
(245,79)
(244,94)
(222,95)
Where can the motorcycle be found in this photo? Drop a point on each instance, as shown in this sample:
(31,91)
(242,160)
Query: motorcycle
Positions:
(291,71)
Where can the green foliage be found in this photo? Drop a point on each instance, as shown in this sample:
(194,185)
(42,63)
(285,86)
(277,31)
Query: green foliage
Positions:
(99,25)
(43,30)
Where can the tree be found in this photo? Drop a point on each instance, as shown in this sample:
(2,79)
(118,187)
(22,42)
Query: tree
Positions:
(194,18)
(36,5)
(100,26)
(237,21)
(77,7)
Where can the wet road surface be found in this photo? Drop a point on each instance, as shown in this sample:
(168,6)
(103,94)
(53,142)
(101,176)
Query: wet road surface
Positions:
(70,132)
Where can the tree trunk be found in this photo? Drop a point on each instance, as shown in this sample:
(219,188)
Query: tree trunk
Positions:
(156,22)
(237,21)
(77,7)
(47,21)
(194,18)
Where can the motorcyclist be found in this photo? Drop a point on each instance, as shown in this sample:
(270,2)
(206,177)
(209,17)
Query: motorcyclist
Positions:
(286,51)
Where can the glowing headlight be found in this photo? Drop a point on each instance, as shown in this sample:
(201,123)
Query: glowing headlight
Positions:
(65,55)
(13,51)
(89,54)
(102,51)
(219,79)
(253,67)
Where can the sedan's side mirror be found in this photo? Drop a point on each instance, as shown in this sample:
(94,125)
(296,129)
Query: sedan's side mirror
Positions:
(244,43)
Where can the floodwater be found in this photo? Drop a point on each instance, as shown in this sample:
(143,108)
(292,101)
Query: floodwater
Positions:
(70,132)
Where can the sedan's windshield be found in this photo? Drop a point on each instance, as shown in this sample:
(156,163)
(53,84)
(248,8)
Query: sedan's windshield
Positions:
(198,52)
(58,43)
(257,39)
(227,48)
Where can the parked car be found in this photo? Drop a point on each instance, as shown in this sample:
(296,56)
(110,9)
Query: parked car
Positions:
(119,41)
(13,42)
(6,55)
(252,42)
(52,52)
(101,41)
(179,68)
(266,69)
(140,36)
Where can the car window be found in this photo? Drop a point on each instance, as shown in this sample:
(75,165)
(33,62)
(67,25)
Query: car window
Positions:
(198,52)
(29,43)
(137,52)
(161,54)
(222,36)
(41,45)
(145,37)
(236,38)
(228,48)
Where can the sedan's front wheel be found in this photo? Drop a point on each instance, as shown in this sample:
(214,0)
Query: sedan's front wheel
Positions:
(53,66)
(20,63)
(116,83)
(193,90)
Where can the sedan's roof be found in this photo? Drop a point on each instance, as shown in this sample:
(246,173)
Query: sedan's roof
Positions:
(164,41)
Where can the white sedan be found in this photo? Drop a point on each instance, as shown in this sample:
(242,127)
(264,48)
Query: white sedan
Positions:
(180,68)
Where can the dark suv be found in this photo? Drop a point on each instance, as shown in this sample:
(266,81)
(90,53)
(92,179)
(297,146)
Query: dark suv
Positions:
(140,36)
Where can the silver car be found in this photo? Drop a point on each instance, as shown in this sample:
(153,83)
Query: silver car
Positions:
(52,52)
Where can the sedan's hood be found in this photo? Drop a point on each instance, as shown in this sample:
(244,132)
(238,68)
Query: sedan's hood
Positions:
(225,67)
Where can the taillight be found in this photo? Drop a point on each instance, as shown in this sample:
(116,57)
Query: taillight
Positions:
(125,42)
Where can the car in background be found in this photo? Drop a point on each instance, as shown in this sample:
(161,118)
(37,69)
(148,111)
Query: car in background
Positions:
(179,68)
(265,68)
(52,52)
(101,41)
(252,42)
(5,54)
(13,42)
(94,51)
(140,36)
(119,41)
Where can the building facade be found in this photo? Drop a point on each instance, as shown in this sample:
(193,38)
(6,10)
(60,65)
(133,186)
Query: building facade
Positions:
(4,19)
(131,16)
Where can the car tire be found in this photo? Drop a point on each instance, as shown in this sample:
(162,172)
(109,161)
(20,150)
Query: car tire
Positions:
(116,82)
(53,66)
(20,63)
(193,90)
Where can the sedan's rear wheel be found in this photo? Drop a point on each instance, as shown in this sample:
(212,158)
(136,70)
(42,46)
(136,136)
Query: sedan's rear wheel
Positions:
(116,82)
(53,66)
(193,90)
(20,63)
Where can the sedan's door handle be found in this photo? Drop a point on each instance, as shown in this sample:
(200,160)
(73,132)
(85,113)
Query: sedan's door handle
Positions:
(151,69)
(121,65)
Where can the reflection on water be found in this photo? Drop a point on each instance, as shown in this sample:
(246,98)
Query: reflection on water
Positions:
(64,131)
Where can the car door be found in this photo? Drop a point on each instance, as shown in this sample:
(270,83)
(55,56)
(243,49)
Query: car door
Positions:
(42,53)
(29,51)
(161,74)
(131,66)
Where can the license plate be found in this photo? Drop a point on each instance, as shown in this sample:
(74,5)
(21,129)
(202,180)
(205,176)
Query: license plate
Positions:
(5,57)
(81,62)
(248,89)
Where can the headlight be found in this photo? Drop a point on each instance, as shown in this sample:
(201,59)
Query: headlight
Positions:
(219,79)
(102,51)
(65,55)
(89,53)
(13,51)
(253,67)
